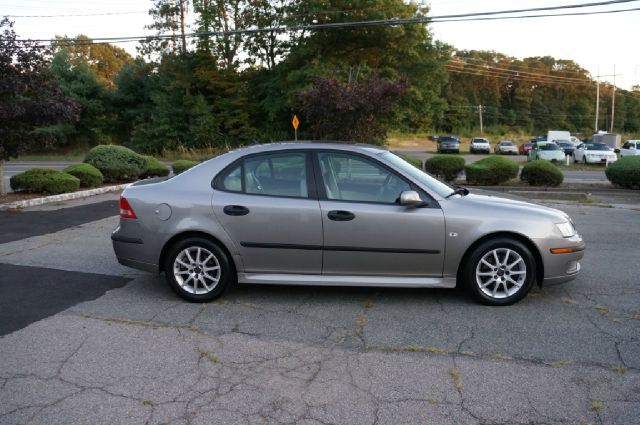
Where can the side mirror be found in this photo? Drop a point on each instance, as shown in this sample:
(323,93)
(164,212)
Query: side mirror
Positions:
(411,198)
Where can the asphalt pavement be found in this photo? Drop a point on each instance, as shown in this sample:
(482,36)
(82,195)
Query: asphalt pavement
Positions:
(566,354)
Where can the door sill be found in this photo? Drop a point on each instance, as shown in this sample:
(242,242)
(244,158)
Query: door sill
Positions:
(345,280)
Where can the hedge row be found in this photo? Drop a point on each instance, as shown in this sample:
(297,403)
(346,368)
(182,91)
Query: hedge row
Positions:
(182,165)
(446,167)
(491,171)
(625,172)
(88,175)
(541,173)
(44,180)
(103,163)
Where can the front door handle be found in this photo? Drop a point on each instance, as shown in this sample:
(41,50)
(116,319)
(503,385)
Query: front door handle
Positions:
(235,210)
(338,215)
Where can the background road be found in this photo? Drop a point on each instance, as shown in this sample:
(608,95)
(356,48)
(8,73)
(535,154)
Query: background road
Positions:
(567,354)
(570,176)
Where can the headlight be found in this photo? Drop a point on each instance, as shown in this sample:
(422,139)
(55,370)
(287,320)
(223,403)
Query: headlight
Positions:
(566,229)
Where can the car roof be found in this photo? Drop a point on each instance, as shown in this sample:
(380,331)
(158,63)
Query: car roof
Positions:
(312,145)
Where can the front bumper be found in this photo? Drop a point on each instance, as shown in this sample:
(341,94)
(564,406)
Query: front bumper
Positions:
(596,160)
(447,148)
(564,266)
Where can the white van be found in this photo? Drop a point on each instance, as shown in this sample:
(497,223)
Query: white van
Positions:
(554,135)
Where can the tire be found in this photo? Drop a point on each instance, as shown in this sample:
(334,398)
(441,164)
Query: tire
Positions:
(506,290)
(184,261)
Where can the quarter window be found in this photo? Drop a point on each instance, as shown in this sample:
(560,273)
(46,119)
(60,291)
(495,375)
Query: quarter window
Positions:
(352,178)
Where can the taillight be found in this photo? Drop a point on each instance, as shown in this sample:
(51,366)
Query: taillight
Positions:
(125,209)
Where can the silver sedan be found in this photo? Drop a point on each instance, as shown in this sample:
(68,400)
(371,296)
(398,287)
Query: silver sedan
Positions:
(334,214)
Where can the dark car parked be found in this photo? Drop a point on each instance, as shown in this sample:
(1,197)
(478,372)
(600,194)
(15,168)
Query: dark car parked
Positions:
(448,144)
(566,146)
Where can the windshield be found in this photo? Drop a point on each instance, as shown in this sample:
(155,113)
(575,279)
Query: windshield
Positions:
(597,147)
(506,143)
(418,175)
(480,141)
(564,144)
(447,139)
(550,147)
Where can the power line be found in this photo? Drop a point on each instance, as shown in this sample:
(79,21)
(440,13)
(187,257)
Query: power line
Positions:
(512,11)
(78,14)
(371,23)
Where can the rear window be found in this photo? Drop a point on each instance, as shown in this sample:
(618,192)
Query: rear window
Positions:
(550,147)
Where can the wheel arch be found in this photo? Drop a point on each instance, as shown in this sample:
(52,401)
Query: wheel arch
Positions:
(194,234)
(506,234)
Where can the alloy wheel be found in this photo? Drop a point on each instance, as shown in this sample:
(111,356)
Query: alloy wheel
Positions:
(501,273)
(197,270)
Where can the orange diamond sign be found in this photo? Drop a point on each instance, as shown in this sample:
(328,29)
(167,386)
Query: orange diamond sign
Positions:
(295,122)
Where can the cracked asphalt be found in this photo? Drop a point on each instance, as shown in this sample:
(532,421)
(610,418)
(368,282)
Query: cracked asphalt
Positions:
(568,354)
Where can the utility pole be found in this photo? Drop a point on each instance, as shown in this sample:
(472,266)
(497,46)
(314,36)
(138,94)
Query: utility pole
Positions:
(597,100)
(480,114)
(613,99)
(183,12)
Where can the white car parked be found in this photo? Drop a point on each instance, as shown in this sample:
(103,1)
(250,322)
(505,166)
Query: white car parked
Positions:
(630,148)
(479,144)
(594,153)
(547,150)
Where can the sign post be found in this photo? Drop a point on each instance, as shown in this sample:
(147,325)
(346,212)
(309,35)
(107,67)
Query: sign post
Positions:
(296,123)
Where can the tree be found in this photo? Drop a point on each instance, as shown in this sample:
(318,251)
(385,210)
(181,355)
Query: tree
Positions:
(357,111)
(266,48)
(29,96)
(104,59)
(169,17)
(79,82)
(221,16)
(391,52)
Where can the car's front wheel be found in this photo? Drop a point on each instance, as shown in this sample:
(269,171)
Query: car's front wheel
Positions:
(198,270)
(499,271)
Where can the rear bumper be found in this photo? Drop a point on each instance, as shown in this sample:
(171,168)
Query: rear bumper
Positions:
(131,252)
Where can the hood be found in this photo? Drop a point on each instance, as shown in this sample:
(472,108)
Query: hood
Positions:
(504,201)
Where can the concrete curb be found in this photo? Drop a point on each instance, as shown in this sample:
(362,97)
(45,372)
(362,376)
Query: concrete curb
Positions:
(62,197)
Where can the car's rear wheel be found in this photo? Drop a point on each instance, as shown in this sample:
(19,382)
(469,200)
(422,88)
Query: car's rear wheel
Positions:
(198,270)
(499,271)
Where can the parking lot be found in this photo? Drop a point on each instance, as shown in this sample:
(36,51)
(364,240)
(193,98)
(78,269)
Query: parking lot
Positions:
(85,340)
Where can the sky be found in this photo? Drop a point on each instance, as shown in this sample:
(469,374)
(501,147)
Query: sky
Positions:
(597,42)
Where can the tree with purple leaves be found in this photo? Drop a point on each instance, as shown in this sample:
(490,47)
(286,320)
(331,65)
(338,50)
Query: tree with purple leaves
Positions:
(357,111)
(30,98)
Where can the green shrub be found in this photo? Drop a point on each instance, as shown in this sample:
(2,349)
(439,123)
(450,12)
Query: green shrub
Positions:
(89,175)
(154,168)
(491,171)
(416,162)
(116,163)
(625,172)
(182,165)
(541,173)
(41,180)
(445,166)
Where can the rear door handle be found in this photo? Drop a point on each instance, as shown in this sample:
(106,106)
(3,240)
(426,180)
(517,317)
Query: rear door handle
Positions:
(338,215)
(235,210)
